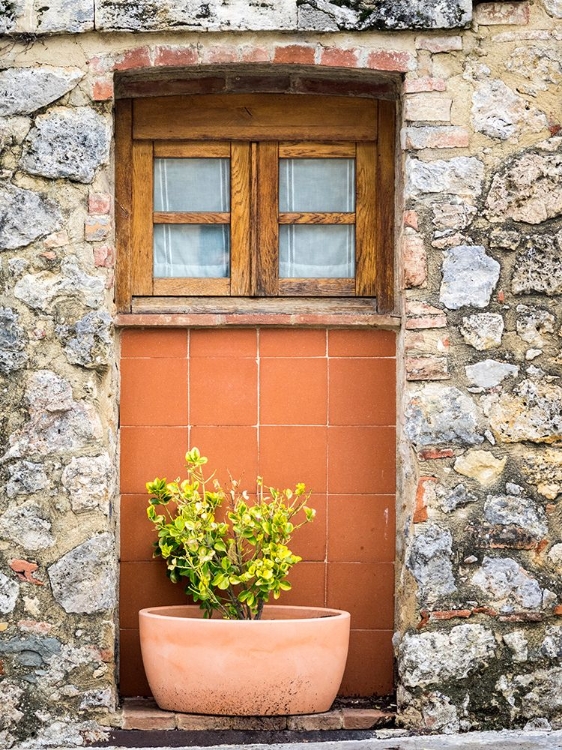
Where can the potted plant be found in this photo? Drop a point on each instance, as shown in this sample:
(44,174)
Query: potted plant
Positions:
(232,653)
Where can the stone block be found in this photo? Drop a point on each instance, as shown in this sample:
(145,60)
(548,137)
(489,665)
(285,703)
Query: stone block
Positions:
(502,13)
(531,413)
(427,107)
(436,44)
(437,137)
(490,373)
(429,559)
(462,175)
(480,465)
(24,90)
(469,277)
(498,112)
(25,216)
(438,414)
(537,267)
(483,331)
(507,586)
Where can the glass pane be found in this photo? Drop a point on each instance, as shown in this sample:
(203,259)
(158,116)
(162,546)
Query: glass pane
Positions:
(316,185)
(316,251)
(192,184)
(191,250)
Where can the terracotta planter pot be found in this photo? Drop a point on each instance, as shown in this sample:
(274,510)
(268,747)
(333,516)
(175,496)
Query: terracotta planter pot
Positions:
(290,662)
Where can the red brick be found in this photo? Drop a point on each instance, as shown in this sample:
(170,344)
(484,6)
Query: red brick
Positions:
(484,611)
(104,256)
(25,570)
(365,718)
(430,454)
(219,54)
(255,54)
(175,56)
(414,260)
(144,714)
(100,64)
(436,44)
(401,62)
(57,239)
(450,614)
(99,203)
(424,83)
(31,626)
(295,54)
(424,619)
(102,89)
(433,321)
(134,58)
(339,58)
(420,513)
(410,219)
(558,610)
(427,368)
(502,13)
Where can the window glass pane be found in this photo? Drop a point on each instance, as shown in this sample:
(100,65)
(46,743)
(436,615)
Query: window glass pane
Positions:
(316,185)
(192,184)
(316,251)
(191,250)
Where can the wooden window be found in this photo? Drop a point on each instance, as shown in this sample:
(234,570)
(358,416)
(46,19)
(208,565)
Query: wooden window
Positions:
(255,195)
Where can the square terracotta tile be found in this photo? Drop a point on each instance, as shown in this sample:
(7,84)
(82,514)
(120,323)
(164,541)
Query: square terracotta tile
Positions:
(292,342)
(361,460)
(149,452)
(231,451)
(366,591)
(288,455)
(370,664)
(361,528)
(145,584)
(362,391)
(154,342)
(221,342)
(308,581)
(132,679)
(309,542)
(343,342)
(153,392)
(223,391)
(137,533)
(293,391)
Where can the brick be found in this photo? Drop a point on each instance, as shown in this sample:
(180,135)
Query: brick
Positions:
(434,321)
(496,14)
(450,240)
(414,259)
(558,610)
(339,58)
(422,343)
(451,614)
(298,54)
(427,368)
(100,64)
(102,89)
(96,228)
(365,718)
(437,137)
(99,203)
(219,54)
(31,626)
(522,617)
(197,722)
(420,512)
(144,714)
(484,611)
(48,255)
(410,219)
(436,44)
(104,256)
(400,62)
(315,722)
(134,58)
(416,308)
(25,570)
(427,108)
(424,83)
(432,454)
(175,56)
(424,619)
(255,54)
(57,239)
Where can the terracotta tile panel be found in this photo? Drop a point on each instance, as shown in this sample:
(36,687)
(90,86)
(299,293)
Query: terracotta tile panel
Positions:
(361,528)
(293,391)
(145,584)
(207,342)
(149,452)
(365,590)
(293,454)
(230,450)
(137,532)
(132,679)
(343,342)
(310,540)
(223,391)
(370,664)
(308,581)
(362,391)
(154,342)
(153,392)
(361,460)
(292,342)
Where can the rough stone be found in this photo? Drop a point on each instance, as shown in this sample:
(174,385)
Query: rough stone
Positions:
(26,478)
(12,342)
(89,481)
(527,189)
(13,131)
(11,698)
(518,644)
(70,16)
(532,412)
(498,112)
(516,510)
(438,414)
(67,143)
(490,373)
(483,331)
(24,90)
(543,469)
(506,239)
(27,525)
(553,7)
(450,499)
(555,555)
(84,579)
(9,592)
(453,215)
(439,714)
(482,466)
(88,341)
(551,646)
(507,586)
(469,277)
(533,323)
(40,291)
(462,175)
(533,693)
(537,266)
(25,216)
(540,65)
(430,562)
(431,657)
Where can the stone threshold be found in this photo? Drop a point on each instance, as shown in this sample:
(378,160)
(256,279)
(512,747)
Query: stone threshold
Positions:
(144,714)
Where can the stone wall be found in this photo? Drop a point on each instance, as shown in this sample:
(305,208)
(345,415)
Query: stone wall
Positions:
(479,599)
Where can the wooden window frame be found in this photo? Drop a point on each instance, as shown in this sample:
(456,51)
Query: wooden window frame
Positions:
(255,131)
